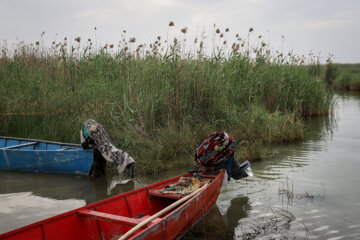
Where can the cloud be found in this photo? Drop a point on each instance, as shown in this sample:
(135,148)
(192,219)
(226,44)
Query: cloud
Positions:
(306,24)
(166,3)
(321,25)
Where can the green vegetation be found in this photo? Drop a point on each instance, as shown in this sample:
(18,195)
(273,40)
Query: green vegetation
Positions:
(159,100)
(348,77)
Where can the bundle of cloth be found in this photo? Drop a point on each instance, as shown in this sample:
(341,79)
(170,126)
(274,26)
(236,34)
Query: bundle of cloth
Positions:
(216,151)
(93,135)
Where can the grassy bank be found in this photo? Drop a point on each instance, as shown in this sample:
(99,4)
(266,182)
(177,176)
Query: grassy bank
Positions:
(157,104)
(348,77)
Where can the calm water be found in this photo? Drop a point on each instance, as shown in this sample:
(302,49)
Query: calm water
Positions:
(304,190)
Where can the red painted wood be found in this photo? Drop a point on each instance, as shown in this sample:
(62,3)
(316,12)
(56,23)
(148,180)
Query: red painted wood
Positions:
(168,195)
(110,218)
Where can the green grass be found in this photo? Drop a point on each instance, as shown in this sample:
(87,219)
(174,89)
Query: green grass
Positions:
(158,104)
(348,77)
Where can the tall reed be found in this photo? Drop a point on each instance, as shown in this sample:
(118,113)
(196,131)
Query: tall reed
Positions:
(158,103)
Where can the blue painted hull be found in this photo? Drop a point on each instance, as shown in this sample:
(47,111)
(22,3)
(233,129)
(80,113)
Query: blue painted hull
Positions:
(43,156)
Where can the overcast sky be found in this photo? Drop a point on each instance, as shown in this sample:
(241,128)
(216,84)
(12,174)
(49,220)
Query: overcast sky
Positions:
(321,26)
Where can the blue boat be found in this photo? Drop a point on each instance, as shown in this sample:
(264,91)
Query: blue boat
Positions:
(17,154)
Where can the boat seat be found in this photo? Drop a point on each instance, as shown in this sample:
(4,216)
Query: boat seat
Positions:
(115,218)
(156,193)
(109,217)
(19,145)
(63,149)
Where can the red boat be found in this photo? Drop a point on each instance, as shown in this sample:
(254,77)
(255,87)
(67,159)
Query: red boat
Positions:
(144,213)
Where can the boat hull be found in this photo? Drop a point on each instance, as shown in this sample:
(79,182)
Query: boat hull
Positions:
(29,155)
(113,217)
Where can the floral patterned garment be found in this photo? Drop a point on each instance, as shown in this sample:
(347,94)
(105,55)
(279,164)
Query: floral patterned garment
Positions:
(214,149)
(93,135)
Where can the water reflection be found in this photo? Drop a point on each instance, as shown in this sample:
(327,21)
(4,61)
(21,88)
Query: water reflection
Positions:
(110,185)
(238,209)
(27,197)
(23,208)
(218,226)
(48,185)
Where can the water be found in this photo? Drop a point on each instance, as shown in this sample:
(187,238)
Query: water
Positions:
(304,190)
(314,183)
(28,197)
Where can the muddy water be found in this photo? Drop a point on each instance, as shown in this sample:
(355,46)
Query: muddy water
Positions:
(304,190)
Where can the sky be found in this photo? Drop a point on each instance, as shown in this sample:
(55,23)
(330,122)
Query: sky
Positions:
(323,27)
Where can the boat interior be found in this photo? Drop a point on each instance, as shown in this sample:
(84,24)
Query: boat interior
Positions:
(23,144)
(128,211)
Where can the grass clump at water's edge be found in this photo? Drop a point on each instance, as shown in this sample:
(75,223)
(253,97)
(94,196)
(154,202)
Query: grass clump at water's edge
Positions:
(348,77)
(158,104)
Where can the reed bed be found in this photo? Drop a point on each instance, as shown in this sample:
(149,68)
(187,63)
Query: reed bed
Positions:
(348,77)
(158,100)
